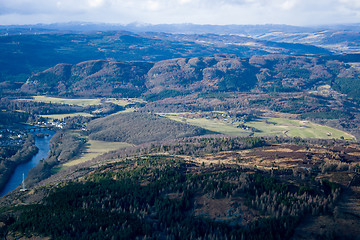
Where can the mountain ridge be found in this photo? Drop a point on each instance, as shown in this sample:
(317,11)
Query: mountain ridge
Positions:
(25,54)
(219,72)
(320,35)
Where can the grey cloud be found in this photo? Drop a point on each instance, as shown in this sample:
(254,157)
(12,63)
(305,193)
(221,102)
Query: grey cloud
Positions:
(26,7)
(4,10)
(44,6)
(196,11)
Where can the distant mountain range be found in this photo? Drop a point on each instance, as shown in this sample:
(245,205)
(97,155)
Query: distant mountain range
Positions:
(30,51)
(336,38)
(162,61)
(185,28)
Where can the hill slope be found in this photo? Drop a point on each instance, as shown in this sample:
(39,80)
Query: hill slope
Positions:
(91,78)
(198,188)
(139,128)
(181,76)
(28,53)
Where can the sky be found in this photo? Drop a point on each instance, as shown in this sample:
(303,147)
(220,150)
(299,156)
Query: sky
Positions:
(218,12)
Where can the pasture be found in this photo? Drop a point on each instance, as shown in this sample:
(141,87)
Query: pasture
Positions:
(96,148)
(86,101)
(62,116)
(266,127)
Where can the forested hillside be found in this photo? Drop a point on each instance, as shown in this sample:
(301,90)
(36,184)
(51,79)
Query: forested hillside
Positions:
(11,156)
(92,78)
(28,53)
(139,128)
(218,73)
(200,188)
(181,136)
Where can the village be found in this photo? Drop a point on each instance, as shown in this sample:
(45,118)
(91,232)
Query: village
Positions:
(9,137)
(52,124)
(15,136)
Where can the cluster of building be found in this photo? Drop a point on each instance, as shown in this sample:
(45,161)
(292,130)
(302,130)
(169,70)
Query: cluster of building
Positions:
(58,124)
(10,137)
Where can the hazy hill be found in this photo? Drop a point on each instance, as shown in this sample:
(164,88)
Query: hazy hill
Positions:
(338,41)
(25,54)
(336,38)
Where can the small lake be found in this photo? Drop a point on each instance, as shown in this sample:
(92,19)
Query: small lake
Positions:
(43,143)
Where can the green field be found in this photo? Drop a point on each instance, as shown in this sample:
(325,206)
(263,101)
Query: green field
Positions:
(96,148)
(214,125)
(85,102)
(124,111)
(79,102)
(62,116)
(296,128)
(266,127)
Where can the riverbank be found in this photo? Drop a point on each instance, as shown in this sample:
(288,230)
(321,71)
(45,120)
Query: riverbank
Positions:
(22,155)
(26,158)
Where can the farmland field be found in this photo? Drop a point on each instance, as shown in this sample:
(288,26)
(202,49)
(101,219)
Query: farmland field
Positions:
(79,102)
(85,102)
(96,148)
(210,124)
(62,116)
(265,127)
(296,128)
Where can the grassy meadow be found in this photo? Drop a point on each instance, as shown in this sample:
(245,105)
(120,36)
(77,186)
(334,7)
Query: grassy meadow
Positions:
(86,102)
(214,125)
(296,128)
(266,126)
(96,148)
(62,116)
(79,102)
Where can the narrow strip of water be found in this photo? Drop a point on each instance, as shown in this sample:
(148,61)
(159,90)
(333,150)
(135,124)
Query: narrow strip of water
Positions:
(43,143)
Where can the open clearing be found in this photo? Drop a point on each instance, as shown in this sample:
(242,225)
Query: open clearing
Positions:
(79,102)
(266,126)
(214,125)
(96,148)
(296,128)
(62,116)
(85,102)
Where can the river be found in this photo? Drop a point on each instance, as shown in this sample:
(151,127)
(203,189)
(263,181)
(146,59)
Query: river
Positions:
(43,143)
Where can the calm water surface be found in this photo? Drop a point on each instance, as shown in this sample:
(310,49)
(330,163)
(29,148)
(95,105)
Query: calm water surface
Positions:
(16,179)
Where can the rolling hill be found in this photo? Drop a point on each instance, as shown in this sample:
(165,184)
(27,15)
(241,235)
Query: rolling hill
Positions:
(140,128)
(182,76)
(24,52)
(128,170)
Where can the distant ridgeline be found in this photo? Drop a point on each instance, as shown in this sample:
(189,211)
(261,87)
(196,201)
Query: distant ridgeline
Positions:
(183,76)
(24,52)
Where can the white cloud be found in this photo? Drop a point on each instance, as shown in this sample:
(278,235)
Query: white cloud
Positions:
(289,4)
(153,5)
(182,2)
(96,3)
(351,3)
(296,12)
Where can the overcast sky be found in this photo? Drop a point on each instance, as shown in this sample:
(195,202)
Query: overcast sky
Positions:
(293,12)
